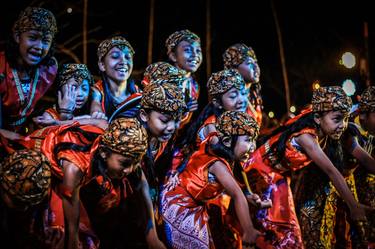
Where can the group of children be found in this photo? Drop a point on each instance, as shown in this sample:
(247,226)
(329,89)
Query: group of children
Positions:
(116,164)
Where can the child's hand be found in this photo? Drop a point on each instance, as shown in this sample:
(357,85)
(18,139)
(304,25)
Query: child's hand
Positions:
(172,181)
(68,100)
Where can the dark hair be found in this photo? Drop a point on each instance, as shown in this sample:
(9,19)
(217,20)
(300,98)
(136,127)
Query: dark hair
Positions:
(278,148)
(12,53)
(109,104)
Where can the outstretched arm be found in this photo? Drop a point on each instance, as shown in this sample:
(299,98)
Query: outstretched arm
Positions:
(315,152)
(242,209)
(151,235)
(71,203)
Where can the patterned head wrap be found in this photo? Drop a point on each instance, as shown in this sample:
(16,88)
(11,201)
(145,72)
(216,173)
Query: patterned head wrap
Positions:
(224,80)
(232,123)
(182,35)
(367,101)
(162,72)
(34,18)
(127,137)
(108,44)
(166,98)
(330,98)
(236,54)
(79,72)
(26,177)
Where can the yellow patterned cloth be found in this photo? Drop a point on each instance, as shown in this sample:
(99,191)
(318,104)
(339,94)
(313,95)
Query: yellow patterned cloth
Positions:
(79,72)
(34,18)
(367,101)
(25,176)
(232,123)
(224,80)
(236,54)
(182,35)
(330,98)
(127,137)
(108,44)
(166,98)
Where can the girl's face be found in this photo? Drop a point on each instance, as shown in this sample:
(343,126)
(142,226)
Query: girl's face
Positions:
(333,123)
(243,148)
(119,166)
(249,70)
(82,91)
(187,56)
(117,64)
(235,100)
(162,126)
(33,46)
(369,122)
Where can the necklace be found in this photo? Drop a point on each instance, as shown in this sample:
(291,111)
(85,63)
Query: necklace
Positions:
(21,95)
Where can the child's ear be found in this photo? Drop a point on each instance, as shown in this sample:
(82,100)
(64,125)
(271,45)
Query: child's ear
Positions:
(226,141)
(172,57)
(317,118)
(101,66)
(216,103)
(16,37)
(143,115)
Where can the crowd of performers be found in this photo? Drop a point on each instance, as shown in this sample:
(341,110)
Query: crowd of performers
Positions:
(116,164)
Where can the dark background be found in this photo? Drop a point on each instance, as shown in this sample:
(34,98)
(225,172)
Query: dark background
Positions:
(314,33)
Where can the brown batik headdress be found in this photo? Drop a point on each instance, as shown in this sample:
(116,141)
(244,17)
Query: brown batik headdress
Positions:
(34,18)
(108,44)
(232,123)
(236,54)
(224,80)
(330,98)
(127,137)
(163,72)
(79,72)
(165,98)
(367,101)
(182,35)
(25,176)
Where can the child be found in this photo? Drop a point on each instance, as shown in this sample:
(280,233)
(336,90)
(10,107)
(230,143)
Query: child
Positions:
(27,67)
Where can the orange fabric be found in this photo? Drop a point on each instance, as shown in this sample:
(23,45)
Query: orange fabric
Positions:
(12,106)
(54,113)
(195,176)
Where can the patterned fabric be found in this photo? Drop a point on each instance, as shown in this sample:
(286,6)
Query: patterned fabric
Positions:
(127,137)
(162,72)
(164,98)
(236,54)
(108,44)
(79,72)
(224,80)
(33,18)
(232,123)
(331,98)
(26,177)
(184,209)
(183,35)
(367,101)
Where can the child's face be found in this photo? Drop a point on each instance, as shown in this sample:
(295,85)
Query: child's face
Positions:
(162,126)
(333,123)
(369,122)
(119,166)
(188,56)
(244,147)
(82,91)
(249,70)
(33,46)
(235,100)
(117,64)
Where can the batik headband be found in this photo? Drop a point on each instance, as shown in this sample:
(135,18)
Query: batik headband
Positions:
(224,80)
(236,54)
(163,72)
(235,123)
(367,101)
(331,98)
(108,44)
(34,18)
(79,72)
(183,35)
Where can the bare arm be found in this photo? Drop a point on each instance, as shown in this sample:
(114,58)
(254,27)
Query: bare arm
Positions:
(71,203)
(361,155)
(96,105)
(242,209)
(315,152)
(151,236)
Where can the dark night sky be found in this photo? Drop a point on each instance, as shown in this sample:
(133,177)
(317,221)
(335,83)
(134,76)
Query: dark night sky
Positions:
(315,35)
